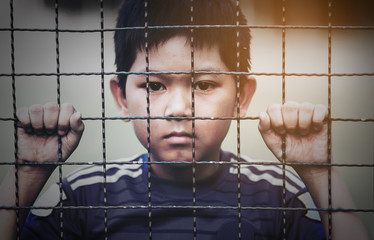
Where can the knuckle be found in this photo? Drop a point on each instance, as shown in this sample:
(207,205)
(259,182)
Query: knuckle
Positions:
(279,129)
(291,103)
(63,126)
(307,106)
(304,126)
(321,107)
(291,126)
(304,131)
(318,121)
(23,118)
(67,106)
(290,106)
(273,108)
(277,125)
(50,122)
(320,112)
(51,106)
(22,111)
(36,109)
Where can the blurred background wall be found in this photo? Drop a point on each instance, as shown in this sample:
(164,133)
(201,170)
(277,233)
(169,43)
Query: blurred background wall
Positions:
(306,52)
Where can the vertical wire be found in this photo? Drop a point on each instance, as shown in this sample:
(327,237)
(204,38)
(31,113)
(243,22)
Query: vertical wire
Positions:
(146,47)
(103,116)
(193,120)
(238,118)
(15,117)
(284,156)
(59,103)
(329,123)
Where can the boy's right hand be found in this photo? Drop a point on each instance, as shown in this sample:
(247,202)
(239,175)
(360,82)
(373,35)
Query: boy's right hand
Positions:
(38,130)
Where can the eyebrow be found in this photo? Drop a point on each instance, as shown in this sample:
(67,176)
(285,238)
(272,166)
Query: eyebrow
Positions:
(205,70)
(170,75)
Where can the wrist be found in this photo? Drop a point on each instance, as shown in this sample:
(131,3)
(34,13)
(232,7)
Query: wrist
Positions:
(32,178)
(27,185)
(312,172)
(34,170)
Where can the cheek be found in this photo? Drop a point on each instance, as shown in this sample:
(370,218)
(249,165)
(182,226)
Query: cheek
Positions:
(212,131)
(224,107)
(138,108)
(141,130)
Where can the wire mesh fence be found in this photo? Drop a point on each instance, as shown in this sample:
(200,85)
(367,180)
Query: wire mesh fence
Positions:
(63,55)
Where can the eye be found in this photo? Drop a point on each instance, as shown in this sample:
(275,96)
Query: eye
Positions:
(154,86)
(204,86)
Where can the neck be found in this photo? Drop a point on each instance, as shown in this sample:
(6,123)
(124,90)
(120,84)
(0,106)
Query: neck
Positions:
(185,172)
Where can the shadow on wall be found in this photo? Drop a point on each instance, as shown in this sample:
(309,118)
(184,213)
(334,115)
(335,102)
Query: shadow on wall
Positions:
(307,12)
(315,12)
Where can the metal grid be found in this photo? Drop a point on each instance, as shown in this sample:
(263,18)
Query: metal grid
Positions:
(14,74)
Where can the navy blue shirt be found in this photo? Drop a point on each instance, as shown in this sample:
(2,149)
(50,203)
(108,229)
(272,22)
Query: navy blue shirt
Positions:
(171,217)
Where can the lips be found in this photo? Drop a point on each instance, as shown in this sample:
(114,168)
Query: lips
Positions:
(179,138)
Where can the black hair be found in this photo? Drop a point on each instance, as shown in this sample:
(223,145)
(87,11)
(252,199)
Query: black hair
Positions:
(178,12)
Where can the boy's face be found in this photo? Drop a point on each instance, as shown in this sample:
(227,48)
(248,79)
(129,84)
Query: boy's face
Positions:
(170,96)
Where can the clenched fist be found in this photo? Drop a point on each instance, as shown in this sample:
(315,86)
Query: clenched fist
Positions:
(39,128)
(304,129)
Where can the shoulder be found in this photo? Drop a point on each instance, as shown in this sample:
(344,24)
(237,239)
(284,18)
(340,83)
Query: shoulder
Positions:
(85,185)
(258,176)
(264,171)
(110,172)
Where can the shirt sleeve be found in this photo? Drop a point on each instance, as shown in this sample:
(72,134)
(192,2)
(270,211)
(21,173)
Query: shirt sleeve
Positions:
(48,221)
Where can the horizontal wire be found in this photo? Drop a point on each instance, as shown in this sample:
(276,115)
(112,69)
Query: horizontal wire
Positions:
(315,27)
(200,118)
(221,118)
(186,72)
(189,207)
(254,163)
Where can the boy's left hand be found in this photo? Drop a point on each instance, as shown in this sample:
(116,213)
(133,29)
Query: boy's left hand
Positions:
(305,132)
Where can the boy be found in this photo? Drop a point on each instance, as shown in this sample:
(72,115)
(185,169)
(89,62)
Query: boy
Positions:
(131,185)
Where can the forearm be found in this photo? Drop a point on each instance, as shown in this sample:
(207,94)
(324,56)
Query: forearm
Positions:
(345,225)
(29,186)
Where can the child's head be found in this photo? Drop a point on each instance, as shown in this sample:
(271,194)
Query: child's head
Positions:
(174,13)
(215,95)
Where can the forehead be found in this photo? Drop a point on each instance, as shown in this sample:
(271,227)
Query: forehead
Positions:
(175,55)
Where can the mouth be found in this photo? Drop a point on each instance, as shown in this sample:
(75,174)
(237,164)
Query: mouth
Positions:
(179,138)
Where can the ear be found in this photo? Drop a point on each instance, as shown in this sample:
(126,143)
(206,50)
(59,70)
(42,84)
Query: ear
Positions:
(119,98)
(247,89)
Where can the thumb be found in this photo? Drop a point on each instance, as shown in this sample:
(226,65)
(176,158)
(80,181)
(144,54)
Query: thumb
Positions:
(271,139)
(76,130)
(76,124)
(264,125)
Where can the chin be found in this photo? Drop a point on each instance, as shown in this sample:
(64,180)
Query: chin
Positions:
(175,156)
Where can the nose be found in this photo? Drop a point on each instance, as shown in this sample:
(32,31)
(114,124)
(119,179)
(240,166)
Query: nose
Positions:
(179,104)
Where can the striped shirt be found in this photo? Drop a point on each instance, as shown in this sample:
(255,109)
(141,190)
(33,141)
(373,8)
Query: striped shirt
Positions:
(262,209)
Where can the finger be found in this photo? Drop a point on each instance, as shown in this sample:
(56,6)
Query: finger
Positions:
(276,120)
(77,128)
(66,110)
(24,119)
(51,113)
(305,118)
(290,113)
(36,117)
(319,115)
(264,124)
